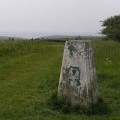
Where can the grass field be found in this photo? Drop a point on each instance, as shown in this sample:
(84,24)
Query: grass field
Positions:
(29,75)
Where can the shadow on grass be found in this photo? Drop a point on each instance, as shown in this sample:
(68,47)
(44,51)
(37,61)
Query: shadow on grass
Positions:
(111,81)
(102,77)
(101,108)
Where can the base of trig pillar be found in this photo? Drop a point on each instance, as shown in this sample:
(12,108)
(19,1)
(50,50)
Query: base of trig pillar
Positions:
(78,84)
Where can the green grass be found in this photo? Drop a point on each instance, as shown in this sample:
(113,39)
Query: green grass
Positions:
(29,75)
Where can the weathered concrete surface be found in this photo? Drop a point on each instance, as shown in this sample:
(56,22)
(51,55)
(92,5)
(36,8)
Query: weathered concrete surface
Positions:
(78,83)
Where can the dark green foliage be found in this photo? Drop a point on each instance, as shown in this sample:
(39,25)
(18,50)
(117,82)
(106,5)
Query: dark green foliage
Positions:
(112,28)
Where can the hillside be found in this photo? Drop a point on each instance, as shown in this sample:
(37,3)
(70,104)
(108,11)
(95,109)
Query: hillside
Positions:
(29,75)
(4,38)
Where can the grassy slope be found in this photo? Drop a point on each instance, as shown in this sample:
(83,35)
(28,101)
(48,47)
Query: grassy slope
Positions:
(29,74)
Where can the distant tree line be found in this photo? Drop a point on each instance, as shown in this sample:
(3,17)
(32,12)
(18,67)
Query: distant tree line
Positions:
(11,38)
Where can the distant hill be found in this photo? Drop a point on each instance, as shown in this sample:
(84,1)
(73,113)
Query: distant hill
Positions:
(10,38)
(62,37)
(4,38)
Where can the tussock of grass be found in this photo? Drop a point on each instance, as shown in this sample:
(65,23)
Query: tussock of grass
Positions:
(101,108)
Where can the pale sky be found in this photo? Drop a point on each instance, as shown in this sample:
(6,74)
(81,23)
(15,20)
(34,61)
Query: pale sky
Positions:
(55,16)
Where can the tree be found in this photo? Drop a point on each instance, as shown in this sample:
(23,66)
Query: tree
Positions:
(111,28)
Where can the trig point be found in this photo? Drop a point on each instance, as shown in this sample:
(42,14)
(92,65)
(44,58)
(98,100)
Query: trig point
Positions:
(78,83)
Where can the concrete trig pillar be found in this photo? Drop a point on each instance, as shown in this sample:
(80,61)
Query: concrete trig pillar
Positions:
(78,83)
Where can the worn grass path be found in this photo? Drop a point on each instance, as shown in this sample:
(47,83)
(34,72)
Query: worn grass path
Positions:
(29,75)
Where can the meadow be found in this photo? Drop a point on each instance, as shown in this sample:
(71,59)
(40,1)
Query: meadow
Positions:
(29,76)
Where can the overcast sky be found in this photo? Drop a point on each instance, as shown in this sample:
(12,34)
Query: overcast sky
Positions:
(55,16)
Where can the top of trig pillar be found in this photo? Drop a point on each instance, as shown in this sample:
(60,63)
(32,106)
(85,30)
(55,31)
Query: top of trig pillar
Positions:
(82,41)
